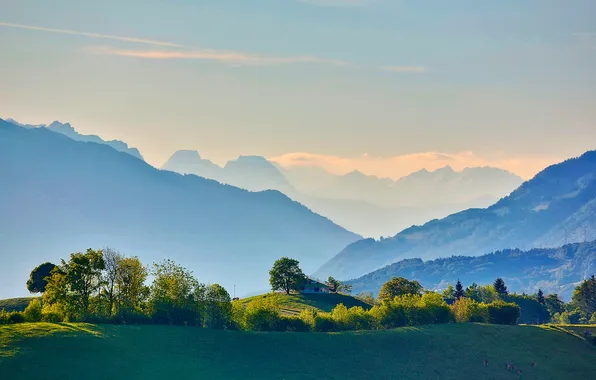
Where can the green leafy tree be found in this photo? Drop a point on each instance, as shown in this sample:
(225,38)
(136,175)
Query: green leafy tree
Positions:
(500,287)
(83,277)
(286,275)
(33,312)
(472,292)
(540,297)
(459,290)
(487,293)
(399,286)
(130,283)
(217,307)
(38,279)
(584,296)
(449,292)
(333,284)
(554,305)
(173,294)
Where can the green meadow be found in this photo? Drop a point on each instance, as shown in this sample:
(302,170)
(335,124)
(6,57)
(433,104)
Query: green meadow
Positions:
(450,351)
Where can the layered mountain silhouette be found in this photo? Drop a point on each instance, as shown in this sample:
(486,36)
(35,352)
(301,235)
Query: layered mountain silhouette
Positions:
(368,205)
(67,130)
(554,270)
(58,196)
(556,207)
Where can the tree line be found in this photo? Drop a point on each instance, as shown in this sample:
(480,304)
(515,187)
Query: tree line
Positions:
(104,286)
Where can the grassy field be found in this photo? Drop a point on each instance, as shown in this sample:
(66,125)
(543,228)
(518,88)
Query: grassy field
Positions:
(15,304)
(453,351)
(293,304)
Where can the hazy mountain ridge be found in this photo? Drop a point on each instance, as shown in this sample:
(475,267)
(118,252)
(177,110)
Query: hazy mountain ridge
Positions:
(67,130)
(60,196)
(527,218)
(338,197)
(554,270)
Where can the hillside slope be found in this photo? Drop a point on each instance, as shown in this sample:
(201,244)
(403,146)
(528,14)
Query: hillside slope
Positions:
(59,196)
(450,351)
(557,206)
(293,304)
(554,270)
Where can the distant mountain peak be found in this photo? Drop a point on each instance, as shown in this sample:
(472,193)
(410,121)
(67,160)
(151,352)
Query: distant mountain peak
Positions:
(64,128)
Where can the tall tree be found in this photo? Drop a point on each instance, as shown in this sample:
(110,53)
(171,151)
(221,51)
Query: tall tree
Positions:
(333,284)
(584,296)
(554,305)
(459,290)
(540,297)
(38,279)
(130,282)
(83,274)
(217,307)
(173,294)
(112,260)
(286,275)
(500,287)
(398,286)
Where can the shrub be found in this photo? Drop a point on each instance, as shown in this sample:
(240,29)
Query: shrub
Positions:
(33,312)
(293,324)
(503,313)
(389,315)
(7,318)
(262,314)
(468,310)
(325,323)
(308,316)
(354,318)
(51,317)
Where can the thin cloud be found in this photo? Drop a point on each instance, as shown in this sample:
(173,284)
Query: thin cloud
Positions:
(339,3)
(92,35)
(230,57)
(398,166)
(405,69)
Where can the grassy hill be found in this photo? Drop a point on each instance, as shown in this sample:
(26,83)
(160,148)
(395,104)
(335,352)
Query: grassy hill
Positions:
(15,304)
(452,351)
(293,304)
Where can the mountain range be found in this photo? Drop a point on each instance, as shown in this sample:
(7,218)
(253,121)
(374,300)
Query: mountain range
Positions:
(368,205)
(67,130)
(557,206)
(59,196)
(554,270)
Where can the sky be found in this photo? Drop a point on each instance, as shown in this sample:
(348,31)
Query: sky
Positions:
(386,87)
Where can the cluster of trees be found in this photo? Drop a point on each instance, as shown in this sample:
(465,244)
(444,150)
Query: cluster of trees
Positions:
(287,276)
(104,286)
(535,308)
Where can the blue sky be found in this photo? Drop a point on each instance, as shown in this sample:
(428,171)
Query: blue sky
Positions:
(376,85)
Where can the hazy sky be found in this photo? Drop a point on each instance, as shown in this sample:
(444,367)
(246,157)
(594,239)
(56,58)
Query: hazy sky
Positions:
(384,86)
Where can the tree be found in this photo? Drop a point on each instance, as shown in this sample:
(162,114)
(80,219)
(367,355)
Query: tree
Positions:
(459,290)
(217,307)
(366,297)
(336,286)
(112,260)
(333,284)
(584,296)
(449,292)
(554,305)
(399,286)
(173,294)
(83,276)
(472,292)
(38,279)
(500,287)
(540,297)
(487,294)
(130,282)
(286,275)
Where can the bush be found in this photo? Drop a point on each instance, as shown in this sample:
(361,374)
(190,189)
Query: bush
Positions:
(388,315)
(325,323)
(354,318)
(468,310)
(33,312)
(308,316)
(292,324)
(262,314)
(51,317)
(503,313)
(8,318)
